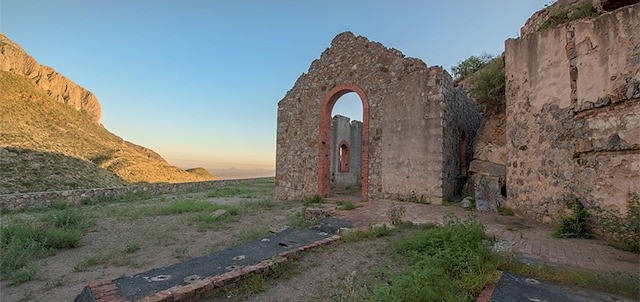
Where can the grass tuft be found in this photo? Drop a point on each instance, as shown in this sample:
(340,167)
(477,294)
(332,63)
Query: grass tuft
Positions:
(448,263)
(347,205)
(22,241)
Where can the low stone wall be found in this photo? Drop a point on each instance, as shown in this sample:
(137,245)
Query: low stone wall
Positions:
(23,201)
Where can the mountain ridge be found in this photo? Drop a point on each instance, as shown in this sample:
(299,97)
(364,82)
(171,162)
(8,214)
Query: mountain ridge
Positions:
(43,136)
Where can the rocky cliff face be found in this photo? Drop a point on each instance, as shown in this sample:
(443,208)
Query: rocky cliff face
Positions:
(52,138)
(15,60)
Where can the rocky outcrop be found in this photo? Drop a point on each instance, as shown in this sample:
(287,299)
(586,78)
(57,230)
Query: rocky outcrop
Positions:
(15,60)
(56,123)
(487,171)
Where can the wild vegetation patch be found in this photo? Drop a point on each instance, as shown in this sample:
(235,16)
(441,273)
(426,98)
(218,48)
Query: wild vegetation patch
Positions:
(347,205)
(559,16)
(485,75)
(25,239)
(574,223)
(447,263)
(623,231)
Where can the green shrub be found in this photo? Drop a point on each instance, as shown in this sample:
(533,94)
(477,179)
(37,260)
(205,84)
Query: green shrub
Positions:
(470,66)
(299,220)
(313,199)
(556,17)
(347,205)
(576,224)
(448,263)
(23,241)
(625,230)
(488,87)
(361,234)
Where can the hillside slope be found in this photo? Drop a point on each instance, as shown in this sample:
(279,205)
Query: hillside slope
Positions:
(60,136)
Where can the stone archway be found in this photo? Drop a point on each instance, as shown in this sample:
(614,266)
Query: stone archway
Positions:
(324,155)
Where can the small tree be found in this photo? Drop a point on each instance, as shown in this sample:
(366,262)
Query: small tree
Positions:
(488,86)
(471,65)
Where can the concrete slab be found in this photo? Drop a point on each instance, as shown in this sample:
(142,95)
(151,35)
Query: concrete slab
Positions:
(512,287)
(218,263)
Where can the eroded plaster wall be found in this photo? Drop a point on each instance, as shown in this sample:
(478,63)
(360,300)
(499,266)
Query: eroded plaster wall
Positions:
(573,115)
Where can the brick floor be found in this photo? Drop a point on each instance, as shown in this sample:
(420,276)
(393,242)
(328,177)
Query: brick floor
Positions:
(521,236)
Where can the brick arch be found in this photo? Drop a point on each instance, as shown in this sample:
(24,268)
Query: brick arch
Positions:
(324,143)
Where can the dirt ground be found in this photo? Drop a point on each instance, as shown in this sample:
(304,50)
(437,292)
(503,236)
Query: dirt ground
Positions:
(129,238)
(123,244)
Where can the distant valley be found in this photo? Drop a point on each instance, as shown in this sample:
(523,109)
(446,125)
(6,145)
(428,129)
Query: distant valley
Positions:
(231,173)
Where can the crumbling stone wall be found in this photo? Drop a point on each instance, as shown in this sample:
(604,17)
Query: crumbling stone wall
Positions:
(405,111)
(461,122)
(350,132)
(573,114)
(24,201)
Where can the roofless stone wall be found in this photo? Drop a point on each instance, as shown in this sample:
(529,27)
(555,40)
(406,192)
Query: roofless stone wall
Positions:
(573,114)
(405,112)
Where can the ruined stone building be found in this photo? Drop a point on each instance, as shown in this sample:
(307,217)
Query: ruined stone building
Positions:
(346,153)
(417,127)
(571,126)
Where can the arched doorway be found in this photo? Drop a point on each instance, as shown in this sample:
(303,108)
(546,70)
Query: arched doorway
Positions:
(324,144)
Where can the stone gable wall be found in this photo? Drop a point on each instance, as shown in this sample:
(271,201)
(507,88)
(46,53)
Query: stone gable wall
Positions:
(573,114)
(403,121)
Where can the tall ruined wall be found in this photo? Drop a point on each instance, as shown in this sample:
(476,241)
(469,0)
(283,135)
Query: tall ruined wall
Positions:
(461,114)
(342,129)
(15,60)
(404,118)
(573,114)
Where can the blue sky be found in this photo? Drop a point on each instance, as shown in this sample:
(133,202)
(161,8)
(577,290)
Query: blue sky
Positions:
(199,81)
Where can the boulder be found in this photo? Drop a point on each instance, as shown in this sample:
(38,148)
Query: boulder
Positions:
(487,190)
(466,202)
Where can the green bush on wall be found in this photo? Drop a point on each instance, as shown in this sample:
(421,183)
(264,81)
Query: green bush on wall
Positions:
(486,77)
(576,224)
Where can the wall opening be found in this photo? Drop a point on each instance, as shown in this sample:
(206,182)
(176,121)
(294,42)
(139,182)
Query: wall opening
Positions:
(343,157)
(343,146)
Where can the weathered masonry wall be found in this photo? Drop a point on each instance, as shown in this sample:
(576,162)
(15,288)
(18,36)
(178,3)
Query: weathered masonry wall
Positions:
(573,114)
(350,132)
(404,113)
(22,201)
(461,122)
